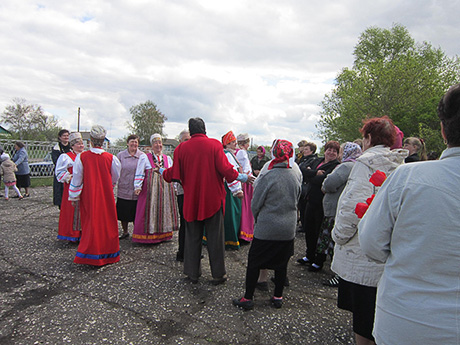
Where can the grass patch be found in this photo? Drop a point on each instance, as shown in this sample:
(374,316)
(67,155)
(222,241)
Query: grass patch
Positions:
(41,181)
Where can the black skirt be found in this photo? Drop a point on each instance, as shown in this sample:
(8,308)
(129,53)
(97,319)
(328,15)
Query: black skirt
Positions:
(360,300)
(23,181)
(266,254)
(126,210)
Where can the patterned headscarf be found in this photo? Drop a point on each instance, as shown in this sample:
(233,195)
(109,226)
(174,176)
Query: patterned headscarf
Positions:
(351,151)
(155,137)
(98,132)
(74,138)
(281,151)
(228,138)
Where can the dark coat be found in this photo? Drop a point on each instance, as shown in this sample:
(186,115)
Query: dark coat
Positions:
(58,188)
(315,195)
(257,164)
(412,158)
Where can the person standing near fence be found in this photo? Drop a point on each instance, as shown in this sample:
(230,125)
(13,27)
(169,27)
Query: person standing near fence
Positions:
(69,217)
(61,147)
(21,159)
(95,173)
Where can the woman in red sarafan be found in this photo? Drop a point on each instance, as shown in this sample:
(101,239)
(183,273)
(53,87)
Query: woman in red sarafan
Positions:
(95,173)
(69,217)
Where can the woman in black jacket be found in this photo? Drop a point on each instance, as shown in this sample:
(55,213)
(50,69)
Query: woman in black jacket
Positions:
(315,174)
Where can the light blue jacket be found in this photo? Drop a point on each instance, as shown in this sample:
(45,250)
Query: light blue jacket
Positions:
(413,226)
(20,158)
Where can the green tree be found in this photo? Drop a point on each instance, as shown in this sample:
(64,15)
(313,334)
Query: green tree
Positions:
(29,121)
(146,120)
(391,75)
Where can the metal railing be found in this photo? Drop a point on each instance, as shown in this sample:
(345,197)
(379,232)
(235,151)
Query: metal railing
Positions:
(39,155)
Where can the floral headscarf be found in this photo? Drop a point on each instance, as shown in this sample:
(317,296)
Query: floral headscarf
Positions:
(281,151)
(351,151)
(228,138)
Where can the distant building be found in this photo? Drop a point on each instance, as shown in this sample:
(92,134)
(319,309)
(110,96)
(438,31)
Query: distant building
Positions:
(169,145)
(87,141)
(4,131)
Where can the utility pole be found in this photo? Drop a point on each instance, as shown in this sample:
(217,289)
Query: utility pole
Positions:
(78,125)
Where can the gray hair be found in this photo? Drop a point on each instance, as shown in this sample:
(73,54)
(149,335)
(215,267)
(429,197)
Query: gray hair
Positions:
(181,134)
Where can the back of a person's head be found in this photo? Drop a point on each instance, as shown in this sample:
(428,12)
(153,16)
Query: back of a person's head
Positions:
(302,143)
(312,147)
(196,126)
(381,129)
(449,114)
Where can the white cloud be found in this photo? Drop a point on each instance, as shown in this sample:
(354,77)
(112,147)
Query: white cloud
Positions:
(257,67)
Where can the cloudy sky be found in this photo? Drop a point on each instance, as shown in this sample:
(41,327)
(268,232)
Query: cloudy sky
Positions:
(260,67)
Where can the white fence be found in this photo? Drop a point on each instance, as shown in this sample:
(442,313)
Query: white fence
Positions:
(39,153)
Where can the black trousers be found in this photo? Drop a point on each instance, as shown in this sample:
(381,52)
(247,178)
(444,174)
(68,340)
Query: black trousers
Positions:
(180,204)
(314,215)
(302,206)
(215,243)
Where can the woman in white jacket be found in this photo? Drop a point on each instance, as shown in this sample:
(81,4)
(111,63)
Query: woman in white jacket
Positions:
(358,274)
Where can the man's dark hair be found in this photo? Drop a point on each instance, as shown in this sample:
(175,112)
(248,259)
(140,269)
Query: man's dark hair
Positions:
(62,132)
(449,114)
(196,126)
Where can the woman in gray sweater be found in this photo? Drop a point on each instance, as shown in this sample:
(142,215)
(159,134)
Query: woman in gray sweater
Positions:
(274,206)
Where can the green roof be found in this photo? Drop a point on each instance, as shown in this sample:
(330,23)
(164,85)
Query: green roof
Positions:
(4,131)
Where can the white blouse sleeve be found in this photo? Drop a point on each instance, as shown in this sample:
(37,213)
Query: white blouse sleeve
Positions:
(234,186)
(116,169)
(142,166)
(243,158)
(62,173)
(76,184)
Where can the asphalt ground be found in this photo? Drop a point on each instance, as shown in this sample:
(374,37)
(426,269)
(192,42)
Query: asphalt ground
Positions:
(47,299)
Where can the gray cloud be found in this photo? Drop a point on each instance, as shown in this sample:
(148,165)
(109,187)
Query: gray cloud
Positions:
(256,67)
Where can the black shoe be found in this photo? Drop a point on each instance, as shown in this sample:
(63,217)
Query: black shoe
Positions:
(333,282)
(262,286)
(315,268)
(190,280)
(246,305)
(286,282)
(218,281)
(277,303)
(303,262)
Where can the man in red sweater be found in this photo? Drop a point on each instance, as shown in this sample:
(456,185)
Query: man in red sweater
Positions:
(201,166)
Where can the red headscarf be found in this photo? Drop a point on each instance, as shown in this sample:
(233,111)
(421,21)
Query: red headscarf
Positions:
(282,150)
(228,138)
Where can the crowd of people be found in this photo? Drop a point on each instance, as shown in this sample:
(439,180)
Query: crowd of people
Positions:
(395,259)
